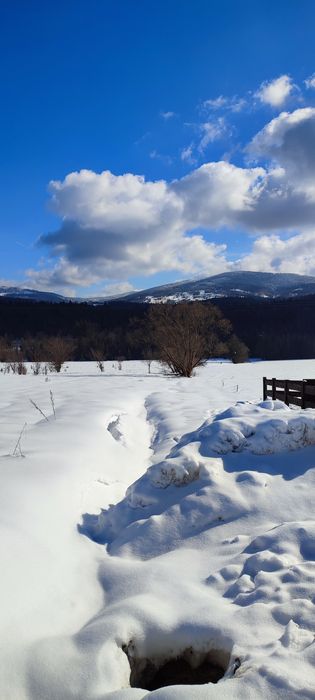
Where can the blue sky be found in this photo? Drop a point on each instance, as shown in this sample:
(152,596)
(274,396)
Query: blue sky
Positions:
(211,103)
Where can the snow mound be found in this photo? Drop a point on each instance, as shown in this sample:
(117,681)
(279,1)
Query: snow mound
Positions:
(209,556)
(201,557)
(189,491)
(267,427)
(275,567)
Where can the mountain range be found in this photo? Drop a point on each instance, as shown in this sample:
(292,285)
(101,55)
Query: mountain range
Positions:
(237,284)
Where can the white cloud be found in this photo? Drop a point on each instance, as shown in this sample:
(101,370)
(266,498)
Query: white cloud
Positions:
(7,283)
(61,275)
(167,115)
(310,82)
(113,204)
(187,154)
(117,227)
(217,194)
(232,104)
(274,254)
(114,227)
(116,289)
(216,103)
(155,155)
(207,133)
(237,104)
(211,131)
(289,139)
(276,92)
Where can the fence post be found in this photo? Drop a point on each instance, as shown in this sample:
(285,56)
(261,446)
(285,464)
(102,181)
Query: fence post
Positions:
(286,392)
(274,388)
(265,388)
(303,395)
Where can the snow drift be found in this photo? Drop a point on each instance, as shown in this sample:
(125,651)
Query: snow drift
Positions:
(206,560)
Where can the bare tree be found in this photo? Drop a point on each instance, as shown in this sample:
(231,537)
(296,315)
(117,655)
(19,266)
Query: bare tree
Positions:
(186,334)
(57,351)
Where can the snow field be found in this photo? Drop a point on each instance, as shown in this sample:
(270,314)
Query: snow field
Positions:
(211,548)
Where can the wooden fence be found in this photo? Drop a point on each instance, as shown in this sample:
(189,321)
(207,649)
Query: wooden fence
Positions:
(300,393)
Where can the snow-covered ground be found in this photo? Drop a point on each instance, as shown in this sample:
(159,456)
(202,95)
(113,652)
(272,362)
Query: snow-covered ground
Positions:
(153,518)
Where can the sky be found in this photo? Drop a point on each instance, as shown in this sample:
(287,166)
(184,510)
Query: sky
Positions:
(148,141)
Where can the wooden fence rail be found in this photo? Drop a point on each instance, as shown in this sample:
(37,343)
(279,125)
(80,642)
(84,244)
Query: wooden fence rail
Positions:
(300,393)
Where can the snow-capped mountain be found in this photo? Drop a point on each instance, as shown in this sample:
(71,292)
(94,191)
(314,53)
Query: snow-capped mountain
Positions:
(230,284)
(240,284)
(31,294)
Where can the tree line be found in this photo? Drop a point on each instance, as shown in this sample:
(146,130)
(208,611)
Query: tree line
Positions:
(181,336)
(271,329)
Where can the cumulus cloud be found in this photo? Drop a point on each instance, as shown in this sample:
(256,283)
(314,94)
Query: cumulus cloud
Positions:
(275,254)
(115,227)
(289,140)
(111,204)
(275,92)
(118,226)
(62,275)
(217,194)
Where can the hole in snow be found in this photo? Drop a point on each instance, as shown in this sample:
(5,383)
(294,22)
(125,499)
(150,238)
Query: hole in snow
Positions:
(189,668)
(113,428)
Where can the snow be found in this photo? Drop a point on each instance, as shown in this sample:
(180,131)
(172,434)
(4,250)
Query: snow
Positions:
(153,517)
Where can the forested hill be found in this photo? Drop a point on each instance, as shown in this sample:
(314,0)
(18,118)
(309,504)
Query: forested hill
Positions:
(272,329)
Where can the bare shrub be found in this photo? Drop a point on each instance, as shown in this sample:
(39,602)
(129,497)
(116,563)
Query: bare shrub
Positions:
(148,364)
(98,356)
(21,367)
(149,356)
(16,368)
(15,361)
(98,348)
(57,351)
(120,363)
